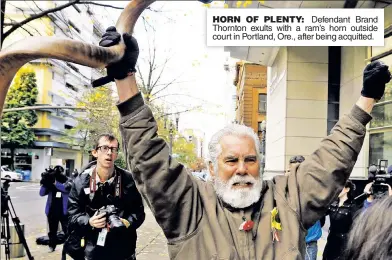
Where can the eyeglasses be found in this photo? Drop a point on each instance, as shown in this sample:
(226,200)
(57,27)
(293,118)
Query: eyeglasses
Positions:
(105,149)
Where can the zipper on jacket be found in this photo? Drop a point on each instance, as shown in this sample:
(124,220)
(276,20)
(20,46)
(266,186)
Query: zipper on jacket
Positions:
(246,234)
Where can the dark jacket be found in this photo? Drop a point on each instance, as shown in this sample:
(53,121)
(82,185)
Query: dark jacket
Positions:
(52,190)
(81,206)
(199,226)
(341,219)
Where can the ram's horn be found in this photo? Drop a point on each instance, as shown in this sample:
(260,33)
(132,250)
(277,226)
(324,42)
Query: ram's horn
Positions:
(14,57)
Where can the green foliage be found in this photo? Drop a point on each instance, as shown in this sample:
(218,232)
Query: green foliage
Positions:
(185,151)
(101,116)
(15,126)
(120,162)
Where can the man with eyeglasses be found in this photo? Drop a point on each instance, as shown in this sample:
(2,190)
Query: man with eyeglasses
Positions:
(104,208)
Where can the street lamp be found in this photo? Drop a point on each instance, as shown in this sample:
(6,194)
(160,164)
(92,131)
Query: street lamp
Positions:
(263,128)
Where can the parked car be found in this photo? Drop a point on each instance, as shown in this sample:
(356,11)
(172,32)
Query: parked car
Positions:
(7,173)
(25,171)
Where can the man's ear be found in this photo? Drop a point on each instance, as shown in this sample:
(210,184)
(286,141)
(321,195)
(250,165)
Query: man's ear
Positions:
(211,168)
(94,153)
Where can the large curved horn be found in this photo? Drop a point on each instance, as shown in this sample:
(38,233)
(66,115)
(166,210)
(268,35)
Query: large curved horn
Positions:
(14,57)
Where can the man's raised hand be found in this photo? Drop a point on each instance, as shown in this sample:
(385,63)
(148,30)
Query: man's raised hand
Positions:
(375,76)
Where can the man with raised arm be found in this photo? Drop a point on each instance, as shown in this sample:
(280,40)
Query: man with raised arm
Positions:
(237,214)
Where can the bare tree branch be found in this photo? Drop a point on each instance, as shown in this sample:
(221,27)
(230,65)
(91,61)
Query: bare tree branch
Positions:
(58,26)
(169,84)
(140,75)
(22,27)
(36,16)
(179,112)
(104,5)
(185,95)
(15,22)
(148,23)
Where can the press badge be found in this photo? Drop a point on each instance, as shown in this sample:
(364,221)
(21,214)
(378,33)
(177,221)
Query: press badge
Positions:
(102,237)
(58,194)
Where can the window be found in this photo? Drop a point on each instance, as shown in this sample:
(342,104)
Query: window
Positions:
(380,144)
(382,114)
(262,103)
(380,147)
(333,111)
(72,67)
(73,26)
(72,87)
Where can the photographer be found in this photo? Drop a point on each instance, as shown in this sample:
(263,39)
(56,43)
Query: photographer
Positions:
(369,191)
(341,215)
(56,186)
(105,208)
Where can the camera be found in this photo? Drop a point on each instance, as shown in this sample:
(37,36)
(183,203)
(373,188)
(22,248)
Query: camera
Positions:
(51,174)
(378,174)
(112,218)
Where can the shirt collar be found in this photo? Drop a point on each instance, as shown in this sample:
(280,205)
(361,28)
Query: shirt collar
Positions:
(110,180)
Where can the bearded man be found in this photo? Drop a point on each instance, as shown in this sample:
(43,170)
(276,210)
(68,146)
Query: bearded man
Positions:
(237,215)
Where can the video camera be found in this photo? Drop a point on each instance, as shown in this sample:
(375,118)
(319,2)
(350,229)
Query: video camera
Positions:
(378,174)
(52,174)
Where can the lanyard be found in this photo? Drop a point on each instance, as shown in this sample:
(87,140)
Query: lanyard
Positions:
(117,180)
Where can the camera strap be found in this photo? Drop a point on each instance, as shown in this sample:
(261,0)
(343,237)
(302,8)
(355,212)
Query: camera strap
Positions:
(93,184)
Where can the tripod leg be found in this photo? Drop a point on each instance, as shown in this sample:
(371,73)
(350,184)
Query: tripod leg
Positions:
(22,237)
(6,227)
(19,230)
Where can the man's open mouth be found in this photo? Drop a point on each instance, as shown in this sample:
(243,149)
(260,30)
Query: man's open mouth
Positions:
(243,184)
(108,159)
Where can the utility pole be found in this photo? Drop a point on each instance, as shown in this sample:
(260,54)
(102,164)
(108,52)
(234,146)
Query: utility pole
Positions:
(170,138)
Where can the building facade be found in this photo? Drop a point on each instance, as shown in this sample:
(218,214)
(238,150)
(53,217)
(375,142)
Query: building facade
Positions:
(251,95)
(310,88)
(59,84)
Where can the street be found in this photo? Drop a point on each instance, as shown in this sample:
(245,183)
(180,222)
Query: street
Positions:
(30,207)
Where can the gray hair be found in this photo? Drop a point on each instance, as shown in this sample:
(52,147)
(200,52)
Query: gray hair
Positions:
(215,148)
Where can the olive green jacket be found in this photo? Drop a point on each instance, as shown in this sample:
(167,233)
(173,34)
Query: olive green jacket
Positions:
(199,226)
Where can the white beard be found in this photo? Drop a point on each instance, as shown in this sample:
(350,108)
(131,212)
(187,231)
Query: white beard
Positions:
(238,197)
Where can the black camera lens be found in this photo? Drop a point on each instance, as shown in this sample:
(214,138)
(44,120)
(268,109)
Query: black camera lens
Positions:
(113,219)
(115,222)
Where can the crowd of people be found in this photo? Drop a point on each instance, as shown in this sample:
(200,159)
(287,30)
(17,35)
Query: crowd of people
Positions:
(235,214)
(341,214)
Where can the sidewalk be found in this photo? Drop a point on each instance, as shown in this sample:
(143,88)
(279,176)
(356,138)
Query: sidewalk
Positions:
(151,243)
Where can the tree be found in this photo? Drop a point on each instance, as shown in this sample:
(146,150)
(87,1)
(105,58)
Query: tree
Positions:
(15,126)
(12,25)
(198,165)
(101,116)
(183,150)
